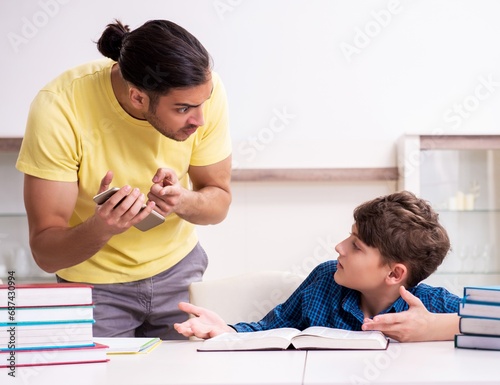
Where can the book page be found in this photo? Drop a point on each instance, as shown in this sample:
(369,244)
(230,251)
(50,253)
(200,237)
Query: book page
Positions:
(265,339)
(328,338)
(286,333)
(341,333)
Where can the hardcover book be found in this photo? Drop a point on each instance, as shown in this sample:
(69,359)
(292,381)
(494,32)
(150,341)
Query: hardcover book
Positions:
(474,341)
(482,293)
(480,325)
(55,356)
(46,313)
(315,337)
(479,309)
(45,294)
(36,335)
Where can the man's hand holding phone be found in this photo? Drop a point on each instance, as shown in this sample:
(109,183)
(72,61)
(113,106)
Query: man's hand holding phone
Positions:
(122,208)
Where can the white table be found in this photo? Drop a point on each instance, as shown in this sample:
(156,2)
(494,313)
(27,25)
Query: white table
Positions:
(405,363)
(179,363)
(176,363)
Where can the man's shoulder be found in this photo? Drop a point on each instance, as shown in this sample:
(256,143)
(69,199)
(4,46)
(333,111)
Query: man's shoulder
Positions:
(82,71)
(216,79)
(218,90)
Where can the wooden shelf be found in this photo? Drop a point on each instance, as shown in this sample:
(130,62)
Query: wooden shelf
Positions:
(315,175)
(10,144)
(280,174)
(459,142)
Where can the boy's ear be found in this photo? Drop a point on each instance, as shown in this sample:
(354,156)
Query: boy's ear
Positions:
(398,274)
(138,98)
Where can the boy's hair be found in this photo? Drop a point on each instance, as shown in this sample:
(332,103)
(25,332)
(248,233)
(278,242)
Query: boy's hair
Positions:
(405,229)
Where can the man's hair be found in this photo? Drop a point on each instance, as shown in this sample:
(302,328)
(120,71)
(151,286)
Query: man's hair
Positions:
(157,56)
(405,229)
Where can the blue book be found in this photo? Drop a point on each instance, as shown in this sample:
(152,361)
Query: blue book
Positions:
(479,309)
(42,335)
(480,325)
(472,341)
(482,294)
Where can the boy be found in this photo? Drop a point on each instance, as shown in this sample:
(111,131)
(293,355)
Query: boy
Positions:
(395,243)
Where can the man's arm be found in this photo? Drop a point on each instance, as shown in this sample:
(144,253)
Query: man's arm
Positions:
(415,324)
(208,202)
(49,206)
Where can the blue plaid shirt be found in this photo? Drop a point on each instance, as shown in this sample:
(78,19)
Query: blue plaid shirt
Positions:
(320,301)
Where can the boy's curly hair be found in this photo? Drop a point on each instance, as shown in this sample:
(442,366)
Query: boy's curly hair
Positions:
(405,229)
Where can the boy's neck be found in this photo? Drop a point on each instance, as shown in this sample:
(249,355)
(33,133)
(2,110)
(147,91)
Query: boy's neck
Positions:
(374,302)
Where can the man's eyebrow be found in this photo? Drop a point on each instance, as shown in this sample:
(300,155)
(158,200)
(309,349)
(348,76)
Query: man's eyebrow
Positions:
(187,105)
(194,105)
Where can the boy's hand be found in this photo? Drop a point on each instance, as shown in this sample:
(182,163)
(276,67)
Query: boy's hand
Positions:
(415,324)
(205,323)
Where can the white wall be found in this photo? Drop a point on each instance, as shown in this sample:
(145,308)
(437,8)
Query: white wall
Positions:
(351,75)
(311,83)
(284,226)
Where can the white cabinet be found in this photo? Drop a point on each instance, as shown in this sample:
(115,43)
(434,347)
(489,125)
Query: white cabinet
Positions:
(460,177)
(15,254)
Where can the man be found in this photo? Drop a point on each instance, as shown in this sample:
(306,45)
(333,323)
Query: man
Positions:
(152,120)
(395,243)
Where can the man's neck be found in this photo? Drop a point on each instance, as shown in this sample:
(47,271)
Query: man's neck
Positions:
(121,91)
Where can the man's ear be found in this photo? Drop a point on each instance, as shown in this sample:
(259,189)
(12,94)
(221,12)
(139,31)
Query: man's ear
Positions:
(138,98)
(398,274)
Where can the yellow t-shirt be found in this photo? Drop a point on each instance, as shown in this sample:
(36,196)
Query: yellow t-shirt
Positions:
(77,131)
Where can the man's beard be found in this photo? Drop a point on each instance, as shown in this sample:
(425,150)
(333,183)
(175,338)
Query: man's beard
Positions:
(160,127)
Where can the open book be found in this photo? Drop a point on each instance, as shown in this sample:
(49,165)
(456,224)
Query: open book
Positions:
(315,337)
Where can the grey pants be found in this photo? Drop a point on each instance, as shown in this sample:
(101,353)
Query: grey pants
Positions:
(148,307)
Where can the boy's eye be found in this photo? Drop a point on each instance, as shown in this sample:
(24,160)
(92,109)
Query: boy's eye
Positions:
(183,109)
(355,246)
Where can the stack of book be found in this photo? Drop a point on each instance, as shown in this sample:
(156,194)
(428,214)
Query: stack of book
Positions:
(47,324)
(479,318)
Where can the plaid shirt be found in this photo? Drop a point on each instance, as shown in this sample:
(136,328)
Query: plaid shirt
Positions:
(320,301)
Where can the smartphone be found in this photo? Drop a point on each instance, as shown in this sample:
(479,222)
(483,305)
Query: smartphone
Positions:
(152,220)
(105,195)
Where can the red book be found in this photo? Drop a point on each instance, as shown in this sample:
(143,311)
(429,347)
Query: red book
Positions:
(45,294)
(46,314)
(53,356)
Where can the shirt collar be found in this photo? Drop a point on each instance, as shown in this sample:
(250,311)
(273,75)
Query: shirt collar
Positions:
(350,304)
